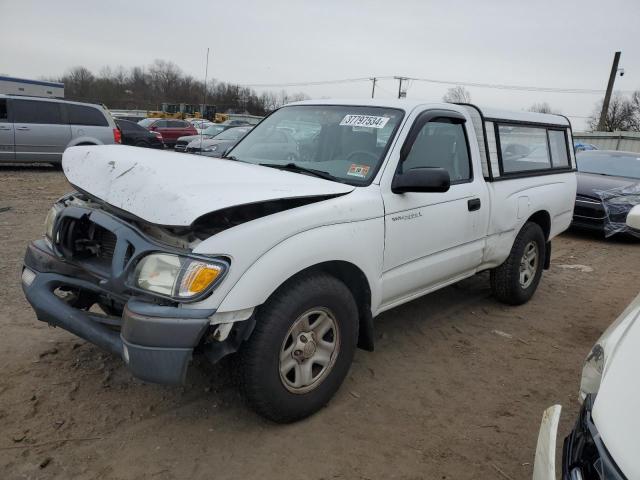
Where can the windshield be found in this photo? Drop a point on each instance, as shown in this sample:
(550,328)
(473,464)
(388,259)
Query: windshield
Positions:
(213,130)
(617,164)
(145,122)
(346,142)
(232,133)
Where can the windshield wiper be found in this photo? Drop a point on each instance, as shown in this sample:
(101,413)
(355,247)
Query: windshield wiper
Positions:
(231,157)
(292,167)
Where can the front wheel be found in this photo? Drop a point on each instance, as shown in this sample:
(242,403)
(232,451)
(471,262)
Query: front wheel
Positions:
(301,348)
(516,280)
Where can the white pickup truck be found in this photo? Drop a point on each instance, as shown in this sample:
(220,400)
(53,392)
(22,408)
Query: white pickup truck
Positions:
(283,252)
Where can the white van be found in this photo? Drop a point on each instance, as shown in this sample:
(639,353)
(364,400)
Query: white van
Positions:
(286,259)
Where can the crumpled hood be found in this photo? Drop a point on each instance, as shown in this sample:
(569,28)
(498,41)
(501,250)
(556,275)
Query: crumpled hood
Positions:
(175,189)
(616,411)
(589,184)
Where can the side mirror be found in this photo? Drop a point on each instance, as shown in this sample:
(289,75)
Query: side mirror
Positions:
(423,179)
(633,218)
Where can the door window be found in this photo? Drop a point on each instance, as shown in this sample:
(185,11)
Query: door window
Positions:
(176,124)
(442,143)
(81,115)
(4,117)
(33,111)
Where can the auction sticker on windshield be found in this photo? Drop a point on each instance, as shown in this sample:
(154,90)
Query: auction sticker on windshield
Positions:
(364,121)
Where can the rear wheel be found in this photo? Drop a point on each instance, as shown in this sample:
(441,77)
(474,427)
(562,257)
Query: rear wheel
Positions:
(516,280)
(301,348)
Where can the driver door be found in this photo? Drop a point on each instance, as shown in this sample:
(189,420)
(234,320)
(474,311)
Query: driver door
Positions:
(434,238)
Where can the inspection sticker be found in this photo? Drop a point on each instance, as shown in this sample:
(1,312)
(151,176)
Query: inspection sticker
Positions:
(358,170)
(364,121)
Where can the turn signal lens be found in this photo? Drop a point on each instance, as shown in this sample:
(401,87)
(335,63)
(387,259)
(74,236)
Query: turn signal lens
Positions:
(198,277)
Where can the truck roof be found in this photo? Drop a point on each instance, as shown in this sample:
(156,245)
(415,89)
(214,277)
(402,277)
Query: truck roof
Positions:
(408,105)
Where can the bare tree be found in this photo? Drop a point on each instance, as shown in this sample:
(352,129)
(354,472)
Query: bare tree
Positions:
(622,114)
(146,88)
(81,81)
(457,94)
(542,107)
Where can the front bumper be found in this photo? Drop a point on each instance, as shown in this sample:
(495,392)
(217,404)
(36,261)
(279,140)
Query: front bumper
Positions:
(584,455)
(156,342)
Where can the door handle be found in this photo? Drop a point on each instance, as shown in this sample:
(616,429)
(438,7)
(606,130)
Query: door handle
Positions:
(22,128)
(473,204)
(5,128)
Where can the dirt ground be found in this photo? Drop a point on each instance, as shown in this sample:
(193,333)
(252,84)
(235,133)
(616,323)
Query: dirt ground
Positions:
(455,388)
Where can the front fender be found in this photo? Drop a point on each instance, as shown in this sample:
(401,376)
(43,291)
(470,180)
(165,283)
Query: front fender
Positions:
(360,243)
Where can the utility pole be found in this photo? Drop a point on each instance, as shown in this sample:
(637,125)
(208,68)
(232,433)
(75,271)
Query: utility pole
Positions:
(373,88)
(607,96)
(401,93)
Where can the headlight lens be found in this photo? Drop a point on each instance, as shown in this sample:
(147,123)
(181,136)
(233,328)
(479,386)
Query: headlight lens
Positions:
(50,221)
(212,148)
(177,276)
(592,372)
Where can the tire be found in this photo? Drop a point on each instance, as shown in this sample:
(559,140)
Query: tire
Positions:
(278,389)
(516,280)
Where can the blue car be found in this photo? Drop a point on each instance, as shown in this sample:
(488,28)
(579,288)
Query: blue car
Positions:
(582,147)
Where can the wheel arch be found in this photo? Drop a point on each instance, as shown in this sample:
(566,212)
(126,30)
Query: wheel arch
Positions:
(84,141)
(357,283)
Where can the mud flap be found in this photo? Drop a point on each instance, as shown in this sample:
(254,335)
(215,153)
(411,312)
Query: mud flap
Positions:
(547,256)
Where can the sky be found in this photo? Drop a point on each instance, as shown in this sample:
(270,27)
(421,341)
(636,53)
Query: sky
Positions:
(559,43)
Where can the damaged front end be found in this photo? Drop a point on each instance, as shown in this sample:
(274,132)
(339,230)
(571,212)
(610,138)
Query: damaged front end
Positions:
(130,288)
(617,203)
(585,456)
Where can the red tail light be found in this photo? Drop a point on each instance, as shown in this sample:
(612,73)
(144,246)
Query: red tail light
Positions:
(117,135)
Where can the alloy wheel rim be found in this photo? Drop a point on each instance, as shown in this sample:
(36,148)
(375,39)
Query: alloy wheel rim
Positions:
(309,350)
(529,264)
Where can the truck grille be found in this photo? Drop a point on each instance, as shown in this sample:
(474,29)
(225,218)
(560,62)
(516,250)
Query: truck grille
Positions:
(83,241)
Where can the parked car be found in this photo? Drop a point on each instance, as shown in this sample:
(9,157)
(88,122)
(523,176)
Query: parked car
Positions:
(200,124)
(603,444)
(136,135)
(34,129)
(583,147)
(287,262)
(616,174)
(207,134)
(218,145)
(170,129)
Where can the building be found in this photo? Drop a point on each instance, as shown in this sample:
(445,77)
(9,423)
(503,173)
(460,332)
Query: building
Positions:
(35,88)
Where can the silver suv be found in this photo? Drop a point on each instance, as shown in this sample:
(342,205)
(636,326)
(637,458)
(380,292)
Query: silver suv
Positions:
(34,129)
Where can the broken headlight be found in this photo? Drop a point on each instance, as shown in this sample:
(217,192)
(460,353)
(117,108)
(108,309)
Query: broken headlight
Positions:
(592,372)
(50,221)
(177,276)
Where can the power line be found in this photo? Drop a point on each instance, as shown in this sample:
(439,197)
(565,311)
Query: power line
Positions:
(307,84)
(499,86)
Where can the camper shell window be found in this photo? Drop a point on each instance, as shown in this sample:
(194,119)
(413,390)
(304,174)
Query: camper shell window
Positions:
(529,149)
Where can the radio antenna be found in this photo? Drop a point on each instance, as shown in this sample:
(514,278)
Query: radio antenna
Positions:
(204,99)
